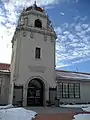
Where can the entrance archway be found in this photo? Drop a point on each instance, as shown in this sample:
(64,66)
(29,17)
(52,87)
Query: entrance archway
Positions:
(35,92)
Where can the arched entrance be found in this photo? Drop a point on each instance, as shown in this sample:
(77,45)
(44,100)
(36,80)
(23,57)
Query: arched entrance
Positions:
(35,92)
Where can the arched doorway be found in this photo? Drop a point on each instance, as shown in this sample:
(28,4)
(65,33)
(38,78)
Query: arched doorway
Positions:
(35,92)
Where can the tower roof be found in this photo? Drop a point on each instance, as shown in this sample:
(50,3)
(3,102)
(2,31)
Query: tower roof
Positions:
(35,7)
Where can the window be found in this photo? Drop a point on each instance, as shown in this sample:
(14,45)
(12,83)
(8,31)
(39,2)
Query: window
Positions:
(59,90)
(77,90)
(71,90)
(37,53)
(65,90)
(38,23)
(68,90)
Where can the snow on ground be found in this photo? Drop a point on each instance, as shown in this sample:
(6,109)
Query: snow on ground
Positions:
(7,106)
(82,117)
(76,106)
(86,109)
(8,113)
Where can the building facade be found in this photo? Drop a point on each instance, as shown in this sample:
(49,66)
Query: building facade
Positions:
(71,87)
(4,83)
(31,79)
(33,58)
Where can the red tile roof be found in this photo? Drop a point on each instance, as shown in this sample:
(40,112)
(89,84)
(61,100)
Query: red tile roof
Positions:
(4,66)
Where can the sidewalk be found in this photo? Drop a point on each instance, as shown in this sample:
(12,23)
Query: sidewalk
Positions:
(59,116)
(55,113)
(54,110)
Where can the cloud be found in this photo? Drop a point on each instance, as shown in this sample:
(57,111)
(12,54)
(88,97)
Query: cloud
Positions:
(9,14)
(81,60)
(73,43)
(78,27)
(80,18)
(62,65)
(5,51)
(85,26)
(62,13)
(84,18)
(77,1)
(49,7)
(66,47)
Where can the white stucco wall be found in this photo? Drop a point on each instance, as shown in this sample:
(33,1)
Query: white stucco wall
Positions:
(27,58)
(24,55)
(33,17)
(85,91)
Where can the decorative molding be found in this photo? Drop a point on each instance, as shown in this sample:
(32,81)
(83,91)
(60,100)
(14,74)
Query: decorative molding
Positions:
(32,35)
(21,21)
(41,31)
(24,33)
(40,69)
(25,21)
(52,39)
(39,77)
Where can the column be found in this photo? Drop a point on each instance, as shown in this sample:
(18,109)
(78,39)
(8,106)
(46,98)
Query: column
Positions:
(10,101)
(46,92)
(24,96)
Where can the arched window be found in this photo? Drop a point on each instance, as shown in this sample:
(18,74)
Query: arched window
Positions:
(38,23)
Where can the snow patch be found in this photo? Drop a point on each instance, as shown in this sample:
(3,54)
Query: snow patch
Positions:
(76,106)
(8,113)
(82,117)
(7,106)
(86,109)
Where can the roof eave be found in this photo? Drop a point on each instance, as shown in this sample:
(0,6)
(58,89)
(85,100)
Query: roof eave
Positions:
(71,79)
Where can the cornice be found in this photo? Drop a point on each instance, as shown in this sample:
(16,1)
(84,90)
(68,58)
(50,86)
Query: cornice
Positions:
(60,79)
(37,30)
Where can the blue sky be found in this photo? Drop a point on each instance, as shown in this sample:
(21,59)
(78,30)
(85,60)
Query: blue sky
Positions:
(71,21)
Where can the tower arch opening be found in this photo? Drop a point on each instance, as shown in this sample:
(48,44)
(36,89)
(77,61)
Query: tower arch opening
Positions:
(38,23)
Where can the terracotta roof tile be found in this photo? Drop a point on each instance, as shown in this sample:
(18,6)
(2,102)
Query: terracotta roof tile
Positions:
(4,66)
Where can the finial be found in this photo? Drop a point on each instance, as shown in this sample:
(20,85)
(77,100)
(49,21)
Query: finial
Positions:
(34,5)
(35,2)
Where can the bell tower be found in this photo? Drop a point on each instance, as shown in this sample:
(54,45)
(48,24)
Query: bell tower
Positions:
(33,57)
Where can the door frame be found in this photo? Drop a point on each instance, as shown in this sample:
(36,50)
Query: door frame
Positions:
(41,91)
